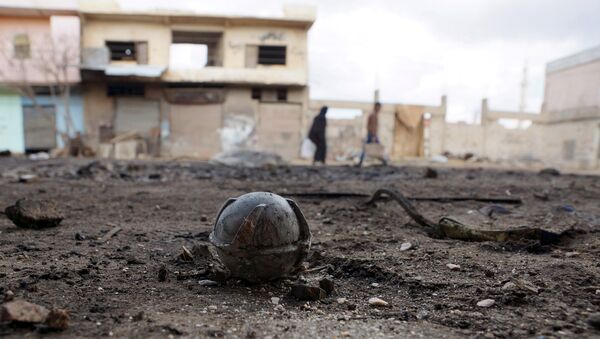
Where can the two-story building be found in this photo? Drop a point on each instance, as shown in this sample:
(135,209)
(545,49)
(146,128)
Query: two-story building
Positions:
(244,82)
(40,102)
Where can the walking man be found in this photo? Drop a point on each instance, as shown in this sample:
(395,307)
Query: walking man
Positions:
(372,129)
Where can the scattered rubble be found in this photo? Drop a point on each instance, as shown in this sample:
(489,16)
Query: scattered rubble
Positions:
(22,311)
(58,319)
(327,285)
(36,214)
(247,158)
(377,302)
(308,293)
(453,267)
(486,303)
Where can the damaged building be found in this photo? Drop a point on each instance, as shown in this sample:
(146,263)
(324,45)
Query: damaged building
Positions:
(246,87)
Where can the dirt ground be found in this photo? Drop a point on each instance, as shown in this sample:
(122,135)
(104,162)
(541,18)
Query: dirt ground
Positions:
(162,206)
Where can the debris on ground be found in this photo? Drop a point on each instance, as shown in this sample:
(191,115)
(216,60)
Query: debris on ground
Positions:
(430,173)
(208,283)
(275,300)
(186,255)
(308,293)
(486,303)
(106,237)
(36,214)
(377,302)
(327,285)
(27,178)
(201,251)
(405,246)
(162,273)
(450,228)
(247,158)
(261,236)
(21,311)
(58,319)
(549,171)
(453,267)
(491,210)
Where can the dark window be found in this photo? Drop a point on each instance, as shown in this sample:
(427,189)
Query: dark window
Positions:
(122,50)
(271,55)
(22,47)
(129,90)
(282,94)
(256,93)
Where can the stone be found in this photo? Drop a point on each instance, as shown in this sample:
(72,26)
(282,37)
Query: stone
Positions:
(207,283)
(308,293)
(58,319)
(377,302)
(203,218)
(351,306)
(486,303)
(79,236)
(509,286)
(341,300)
(275,300)
(327,285)
(430,173)
(374,285)
(23,312)
(594,321)
(279,308)
(549,171)
(405,246)
(35,214)
(8,296)
(572,254)
(25,178)
(162,273)
(453,267)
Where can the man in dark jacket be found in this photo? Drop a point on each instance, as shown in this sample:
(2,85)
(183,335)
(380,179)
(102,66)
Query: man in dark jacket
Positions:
(317,135)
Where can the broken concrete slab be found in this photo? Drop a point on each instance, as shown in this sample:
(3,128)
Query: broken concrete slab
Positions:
(35,214)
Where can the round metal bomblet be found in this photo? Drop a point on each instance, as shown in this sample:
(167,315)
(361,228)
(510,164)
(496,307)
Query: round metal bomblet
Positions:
(261,236)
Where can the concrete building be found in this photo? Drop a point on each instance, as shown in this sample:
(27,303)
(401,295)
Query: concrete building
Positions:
(246,87)
(36,113)
(571,110)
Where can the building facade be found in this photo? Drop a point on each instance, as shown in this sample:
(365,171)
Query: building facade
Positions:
(245,87)
(40,101)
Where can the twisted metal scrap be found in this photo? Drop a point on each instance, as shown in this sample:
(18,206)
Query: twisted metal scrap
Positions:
(452,229)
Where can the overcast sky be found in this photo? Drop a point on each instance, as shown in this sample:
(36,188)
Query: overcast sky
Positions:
(416,51)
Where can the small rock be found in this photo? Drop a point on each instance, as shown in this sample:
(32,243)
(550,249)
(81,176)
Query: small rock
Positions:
(422,314)
(139,316)
(453,267)
(8,296)
(275,301)
(527,286)
(207,283)
(279,308)
(430,173)
(203,218)
(341,300)
(36,214)
(162,273)
(549,171)
(185,254)
(212,307)
(543,196)
(486,303)
(327,285)
(376,302)
(491,210)
(374,284)
(79,236)
(351,306)
(572,254)
(201,250)
(25,178)
(309,293)
(594,321)
(509,286)
(58,319)
(23,312)
(405,246)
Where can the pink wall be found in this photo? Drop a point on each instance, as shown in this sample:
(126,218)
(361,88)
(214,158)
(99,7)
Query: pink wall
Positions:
(59,34)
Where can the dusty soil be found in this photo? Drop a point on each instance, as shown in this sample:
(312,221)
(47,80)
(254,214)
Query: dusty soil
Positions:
(160,207)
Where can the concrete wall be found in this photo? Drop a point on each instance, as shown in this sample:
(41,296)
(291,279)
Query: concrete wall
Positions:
(573,92)
(11,123)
